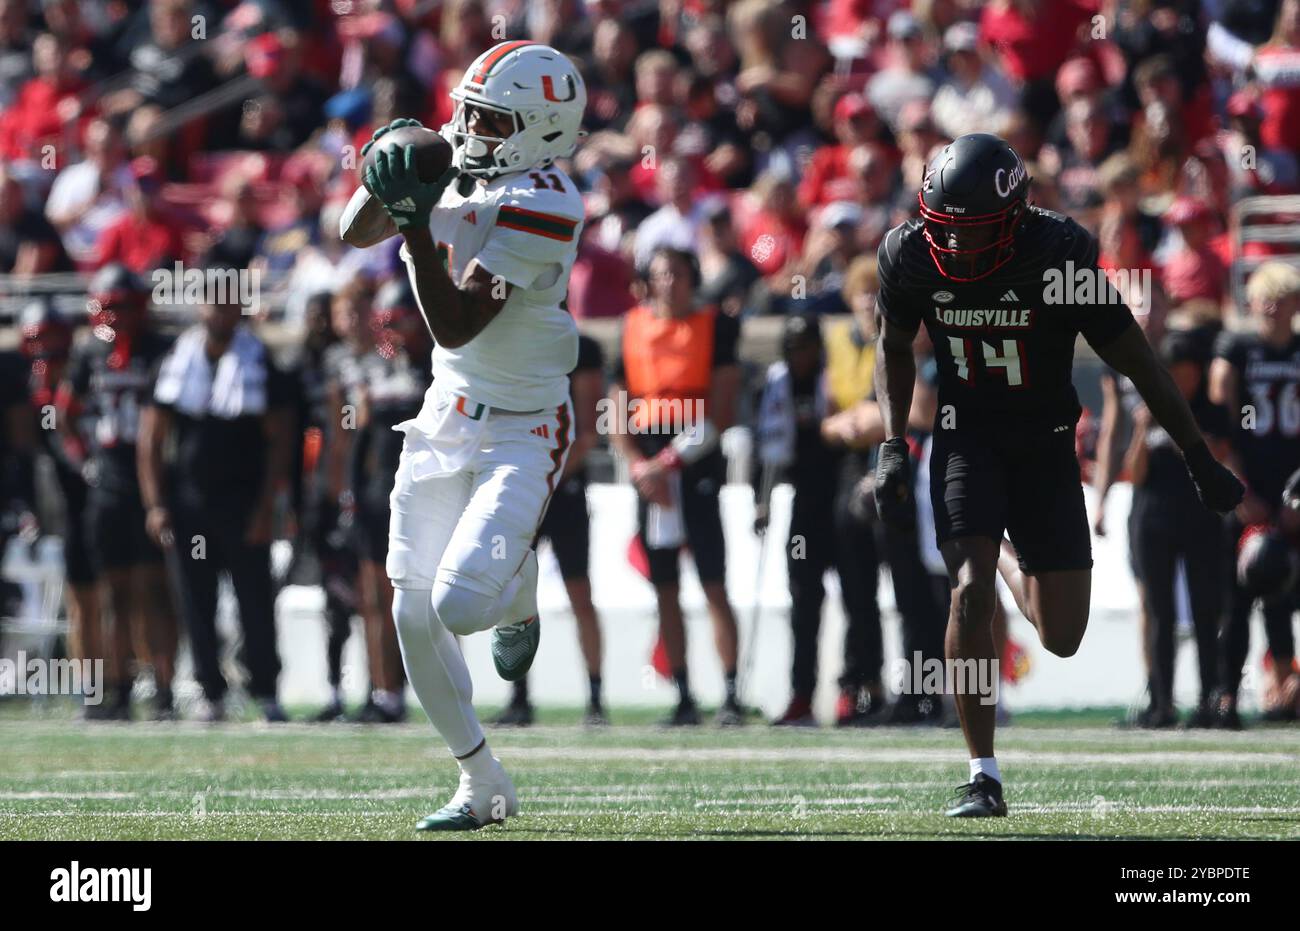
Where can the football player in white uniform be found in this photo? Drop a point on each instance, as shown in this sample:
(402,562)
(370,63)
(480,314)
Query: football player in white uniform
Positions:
(488,248)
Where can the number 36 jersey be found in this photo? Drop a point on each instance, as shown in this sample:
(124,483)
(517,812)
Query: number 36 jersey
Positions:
(523,228)
(1004,344)
(1266,431)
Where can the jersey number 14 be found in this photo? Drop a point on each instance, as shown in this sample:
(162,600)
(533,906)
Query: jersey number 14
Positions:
(1008,359)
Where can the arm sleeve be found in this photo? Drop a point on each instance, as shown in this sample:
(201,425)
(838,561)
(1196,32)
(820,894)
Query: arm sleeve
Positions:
(890,301)
(1228,347)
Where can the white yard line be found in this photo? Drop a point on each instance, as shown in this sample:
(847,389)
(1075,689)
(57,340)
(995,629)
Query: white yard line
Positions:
(867,755)
(1100,810)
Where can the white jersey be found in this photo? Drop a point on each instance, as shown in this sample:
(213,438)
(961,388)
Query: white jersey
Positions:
(523,227)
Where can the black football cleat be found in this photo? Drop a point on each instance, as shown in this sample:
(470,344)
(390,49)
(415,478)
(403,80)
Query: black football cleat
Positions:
(979,798)
(334,711)
(1156,719)
(686,714)
(911,710)
(372,712)
(1227,718)
(730,715)
(857,707)
(1202,718)
(799,713)
(515,714)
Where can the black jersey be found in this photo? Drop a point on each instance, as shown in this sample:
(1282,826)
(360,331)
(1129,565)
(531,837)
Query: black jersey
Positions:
(394,391)
(1166,470)
(1005,344)
(1266,431)
(112,387)
(342,366)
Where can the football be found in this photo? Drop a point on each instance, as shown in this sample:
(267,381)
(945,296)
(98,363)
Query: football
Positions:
(365,221)
(432,152)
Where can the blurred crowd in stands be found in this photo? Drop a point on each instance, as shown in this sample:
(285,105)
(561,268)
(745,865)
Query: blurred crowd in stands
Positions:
(777,140)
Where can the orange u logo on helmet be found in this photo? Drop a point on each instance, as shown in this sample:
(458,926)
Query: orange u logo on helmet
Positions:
(548,89)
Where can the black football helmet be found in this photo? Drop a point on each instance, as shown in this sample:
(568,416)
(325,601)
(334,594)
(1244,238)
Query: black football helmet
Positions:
(1267,565)
(973,197)
(117,301)
(46,333)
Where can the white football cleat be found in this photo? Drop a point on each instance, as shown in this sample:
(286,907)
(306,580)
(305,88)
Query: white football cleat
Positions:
(477,802)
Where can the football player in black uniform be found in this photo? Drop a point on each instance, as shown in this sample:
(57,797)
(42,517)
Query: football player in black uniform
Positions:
(109,380)
(1000,286)
(393,378)
(1256,377)
(47,344)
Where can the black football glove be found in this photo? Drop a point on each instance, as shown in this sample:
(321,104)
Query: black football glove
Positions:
(894,500)
(1216,486)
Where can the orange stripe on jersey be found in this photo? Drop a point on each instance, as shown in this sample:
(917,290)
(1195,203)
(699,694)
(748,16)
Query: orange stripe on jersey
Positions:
(495,56)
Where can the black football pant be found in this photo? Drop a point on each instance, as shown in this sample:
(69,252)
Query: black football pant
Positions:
(824,536)
(338,577)
(1235,635)
(209,541)
(924,618)
(1167,528)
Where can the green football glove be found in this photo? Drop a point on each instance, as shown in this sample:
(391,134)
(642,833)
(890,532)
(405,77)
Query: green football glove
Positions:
(392,177)
(395,124)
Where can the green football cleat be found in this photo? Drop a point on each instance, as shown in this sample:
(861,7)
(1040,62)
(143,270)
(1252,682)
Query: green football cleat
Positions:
(452,818)
(475,804)
(514,646)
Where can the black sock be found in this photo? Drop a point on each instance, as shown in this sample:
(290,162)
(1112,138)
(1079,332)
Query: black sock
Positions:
(594,682)
(683,686)
(521,693)
(731,687)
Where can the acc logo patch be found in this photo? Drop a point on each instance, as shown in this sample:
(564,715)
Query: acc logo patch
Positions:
(943,297)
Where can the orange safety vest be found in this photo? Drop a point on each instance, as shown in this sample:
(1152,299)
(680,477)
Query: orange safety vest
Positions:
(667,360)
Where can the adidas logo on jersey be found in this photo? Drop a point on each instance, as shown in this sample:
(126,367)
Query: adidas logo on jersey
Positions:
(1010,296)
(543,431)
(471,218)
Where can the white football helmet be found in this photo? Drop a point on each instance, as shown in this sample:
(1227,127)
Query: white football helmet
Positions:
(541,92)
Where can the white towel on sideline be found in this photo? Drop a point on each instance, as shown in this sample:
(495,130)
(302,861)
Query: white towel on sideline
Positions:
(234,387)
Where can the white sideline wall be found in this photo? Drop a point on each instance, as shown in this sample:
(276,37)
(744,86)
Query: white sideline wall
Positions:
(1105,671)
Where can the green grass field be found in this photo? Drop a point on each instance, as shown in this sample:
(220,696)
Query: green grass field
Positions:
(1068,775)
